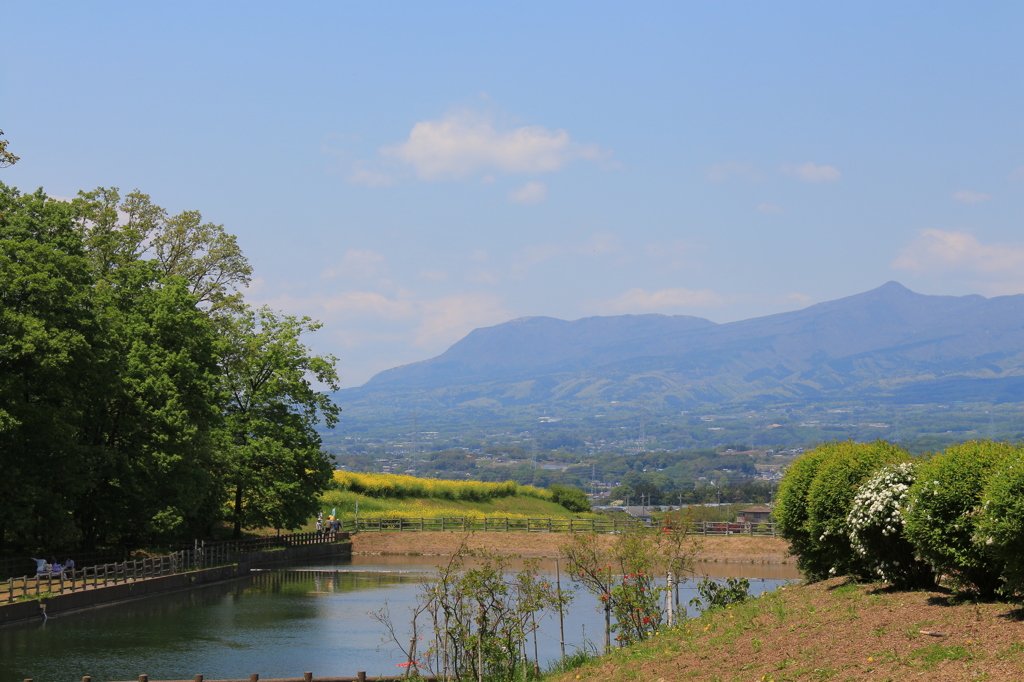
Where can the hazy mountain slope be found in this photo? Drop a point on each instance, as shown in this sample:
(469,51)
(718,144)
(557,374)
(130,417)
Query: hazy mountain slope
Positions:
(888,341)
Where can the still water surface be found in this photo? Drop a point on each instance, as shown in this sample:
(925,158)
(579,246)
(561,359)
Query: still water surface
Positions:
(278,623)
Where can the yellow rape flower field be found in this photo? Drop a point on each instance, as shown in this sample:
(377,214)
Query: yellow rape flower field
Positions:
(396,496)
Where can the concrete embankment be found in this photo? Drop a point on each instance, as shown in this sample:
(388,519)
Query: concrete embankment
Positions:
(111,594)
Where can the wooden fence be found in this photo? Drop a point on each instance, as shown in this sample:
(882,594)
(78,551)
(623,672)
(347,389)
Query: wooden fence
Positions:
(507,525)
(207,555)
(308,677)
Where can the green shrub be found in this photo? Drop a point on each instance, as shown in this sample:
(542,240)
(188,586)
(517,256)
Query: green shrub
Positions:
(815,497)
(1000,525)
(875,525)
(573,499)
(791,504)
(942,509)
(830,499)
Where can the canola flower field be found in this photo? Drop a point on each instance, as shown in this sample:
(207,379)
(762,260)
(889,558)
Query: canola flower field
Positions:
(398,496)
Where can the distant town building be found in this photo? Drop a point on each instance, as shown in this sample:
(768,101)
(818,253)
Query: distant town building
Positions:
(756,514)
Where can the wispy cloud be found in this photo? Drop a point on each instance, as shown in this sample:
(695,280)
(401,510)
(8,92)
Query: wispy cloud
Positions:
(769,208)
(966,196)
(810,172)
(466,143)
(532,255)
(724,170)
(940,251)
(530,193)
(599,244)
(357,263)
(642,300)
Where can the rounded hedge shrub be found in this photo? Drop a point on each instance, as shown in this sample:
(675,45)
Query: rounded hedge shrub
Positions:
(830,499)
(791,507)
(875,526)
(1000,523)
(942,510)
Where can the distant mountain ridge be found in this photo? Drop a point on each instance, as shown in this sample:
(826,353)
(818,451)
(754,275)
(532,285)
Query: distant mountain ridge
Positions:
(888,343)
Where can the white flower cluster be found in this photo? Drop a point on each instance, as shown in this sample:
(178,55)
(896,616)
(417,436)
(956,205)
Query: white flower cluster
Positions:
(878,508)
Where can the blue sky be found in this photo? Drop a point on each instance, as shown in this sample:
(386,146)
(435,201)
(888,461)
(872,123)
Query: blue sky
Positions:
(406,172)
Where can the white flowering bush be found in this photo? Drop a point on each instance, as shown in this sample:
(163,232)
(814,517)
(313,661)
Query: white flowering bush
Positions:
(943,507)
(815,497)
(830,499)
(875,527)
(1000,523)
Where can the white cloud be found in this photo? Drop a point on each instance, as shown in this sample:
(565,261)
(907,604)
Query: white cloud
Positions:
(466,143)
(966,196)
(447,319)
(940,251)
(1017,174)
(532,255)
(530,193)
(724,170)
(769,208)
(676,254)
(434,275)
(358,264)
(600,244)
(366,316)
(479,255)
(360,175)
(642,300)
(482,276)
(809,172)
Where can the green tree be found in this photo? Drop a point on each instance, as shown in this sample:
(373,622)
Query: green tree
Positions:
(6,157)
(274,468)
(151,411)
(120,231)
(46,332)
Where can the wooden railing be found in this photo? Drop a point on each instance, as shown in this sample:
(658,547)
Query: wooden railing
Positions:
(206,555)
(361,676)
(507,525)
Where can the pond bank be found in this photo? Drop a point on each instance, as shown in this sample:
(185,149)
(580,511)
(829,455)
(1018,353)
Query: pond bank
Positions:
(834,629)
(112,594)
(722,549)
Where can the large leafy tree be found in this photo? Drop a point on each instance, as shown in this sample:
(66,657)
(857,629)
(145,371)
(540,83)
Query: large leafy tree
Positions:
(46,332)
(274,466)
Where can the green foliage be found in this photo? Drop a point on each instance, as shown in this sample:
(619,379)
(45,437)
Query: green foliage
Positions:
(714,594)
(1000,524)
(274,468)
(791,512)
(481,617)
(573,499)
(942,512)
(623,579)
(815,497)
(830,498)
(124,353)
(875,525)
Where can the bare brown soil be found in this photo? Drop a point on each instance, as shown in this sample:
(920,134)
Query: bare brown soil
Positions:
(730,549)
(831,631)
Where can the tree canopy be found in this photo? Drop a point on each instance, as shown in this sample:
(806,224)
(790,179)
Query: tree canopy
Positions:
(140,397)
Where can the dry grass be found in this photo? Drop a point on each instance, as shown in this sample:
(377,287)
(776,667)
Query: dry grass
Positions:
(830,631)
(735,548)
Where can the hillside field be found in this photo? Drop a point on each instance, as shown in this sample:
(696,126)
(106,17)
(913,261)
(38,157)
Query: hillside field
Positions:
(832,630)
(393,496)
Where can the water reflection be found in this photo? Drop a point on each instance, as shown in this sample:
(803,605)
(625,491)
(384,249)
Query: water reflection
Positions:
(277,623)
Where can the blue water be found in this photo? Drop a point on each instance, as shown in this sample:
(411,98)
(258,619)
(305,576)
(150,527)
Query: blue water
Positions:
(278,623)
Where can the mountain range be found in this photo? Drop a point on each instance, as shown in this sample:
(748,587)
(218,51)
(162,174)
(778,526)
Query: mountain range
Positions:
(888,344)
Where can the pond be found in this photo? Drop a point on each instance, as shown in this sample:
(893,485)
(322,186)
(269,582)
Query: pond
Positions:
(278,623)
